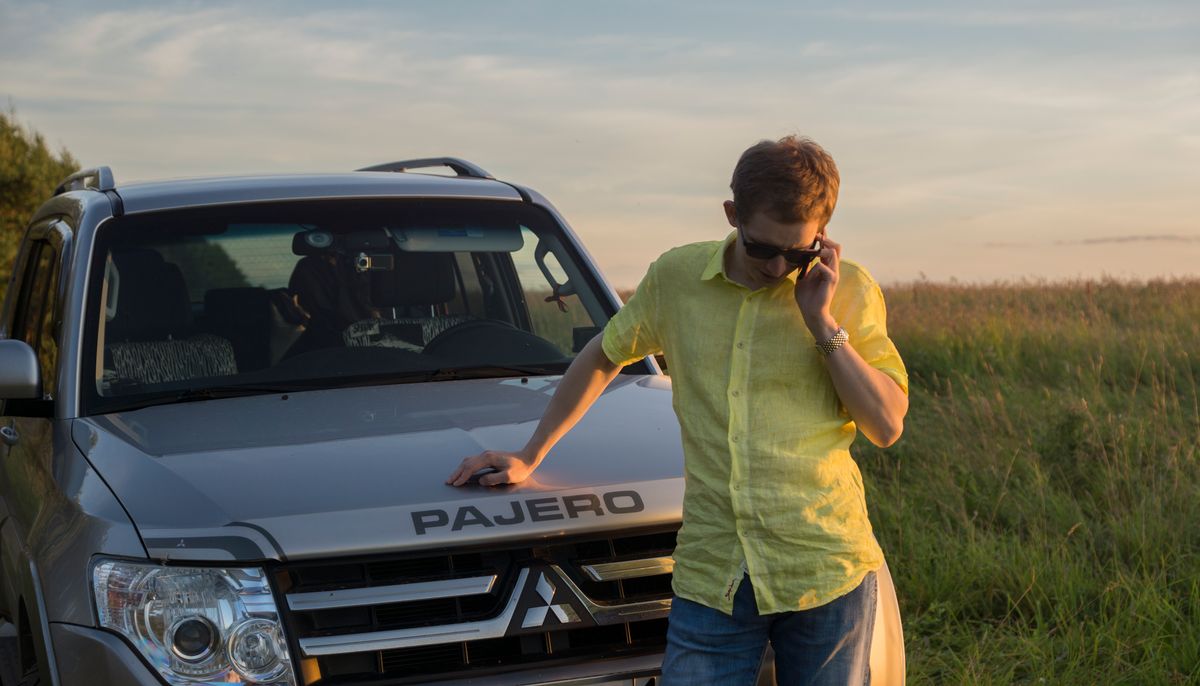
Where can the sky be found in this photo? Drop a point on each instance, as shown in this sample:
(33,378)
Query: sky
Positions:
(976,142)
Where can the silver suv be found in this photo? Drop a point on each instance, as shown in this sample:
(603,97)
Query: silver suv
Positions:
(229,406)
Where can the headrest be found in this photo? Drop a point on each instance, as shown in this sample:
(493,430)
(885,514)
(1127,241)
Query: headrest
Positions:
(243,317)
(153,301)
(417,279)
(330,290)
(425,278)
(234,309)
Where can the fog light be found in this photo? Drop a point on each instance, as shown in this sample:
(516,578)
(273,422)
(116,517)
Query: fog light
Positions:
(256,649)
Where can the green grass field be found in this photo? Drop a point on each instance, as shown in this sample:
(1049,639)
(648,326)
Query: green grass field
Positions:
(1041,514)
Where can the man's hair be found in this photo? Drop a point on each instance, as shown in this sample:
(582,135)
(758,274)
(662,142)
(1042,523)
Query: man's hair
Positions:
(792,179)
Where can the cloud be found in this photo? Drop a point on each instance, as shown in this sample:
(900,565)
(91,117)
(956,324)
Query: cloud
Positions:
(1137,17)
(1129,241)
(1133,240)
(634,134)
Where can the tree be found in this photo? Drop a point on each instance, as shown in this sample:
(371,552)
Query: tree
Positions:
(29,172)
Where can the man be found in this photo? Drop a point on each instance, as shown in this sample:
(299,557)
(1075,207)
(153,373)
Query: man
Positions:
(778,352)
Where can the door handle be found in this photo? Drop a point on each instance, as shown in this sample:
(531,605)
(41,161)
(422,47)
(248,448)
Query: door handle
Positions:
(9,435)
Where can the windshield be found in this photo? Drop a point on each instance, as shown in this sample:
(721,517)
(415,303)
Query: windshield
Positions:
(306,295)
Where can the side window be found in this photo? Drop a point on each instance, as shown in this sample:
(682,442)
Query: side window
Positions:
(35,323)
(556,315)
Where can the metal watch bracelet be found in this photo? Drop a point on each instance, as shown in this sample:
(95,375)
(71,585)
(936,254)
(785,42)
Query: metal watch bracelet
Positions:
(838,339)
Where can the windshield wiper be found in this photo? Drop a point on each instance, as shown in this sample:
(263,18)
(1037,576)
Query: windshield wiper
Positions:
(206,393)
(488,371)
(240,390)
(483,371)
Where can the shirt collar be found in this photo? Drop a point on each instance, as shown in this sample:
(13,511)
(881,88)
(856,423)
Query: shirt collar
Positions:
(716,263)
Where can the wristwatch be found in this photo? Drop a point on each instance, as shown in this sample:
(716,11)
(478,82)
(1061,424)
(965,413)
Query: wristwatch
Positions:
(838,340)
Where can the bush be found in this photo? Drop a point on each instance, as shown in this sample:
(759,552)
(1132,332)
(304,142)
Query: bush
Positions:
(29,172)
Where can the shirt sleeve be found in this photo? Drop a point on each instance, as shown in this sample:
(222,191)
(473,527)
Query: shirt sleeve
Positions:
(633,332)
(865,321)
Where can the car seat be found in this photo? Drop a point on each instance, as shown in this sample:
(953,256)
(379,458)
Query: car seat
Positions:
(421,283)
(243,316)
(149,339)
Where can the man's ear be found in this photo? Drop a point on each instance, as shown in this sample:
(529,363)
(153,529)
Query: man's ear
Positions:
(731,213)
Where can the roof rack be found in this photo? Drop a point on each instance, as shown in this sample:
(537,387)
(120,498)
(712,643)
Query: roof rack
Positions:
(96,179)
(460,167)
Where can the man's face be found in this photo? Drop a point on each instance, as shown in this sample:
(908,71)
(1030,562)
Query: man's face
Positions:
(763,229)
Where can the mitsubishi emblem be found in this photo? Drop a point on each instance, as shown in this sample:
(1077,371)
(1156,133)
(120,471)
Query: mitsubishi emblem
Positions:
(537,616)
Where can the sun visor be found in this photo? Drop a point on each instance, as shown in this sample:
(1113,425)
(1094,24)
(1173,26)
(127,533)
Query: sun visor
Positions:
(459,239)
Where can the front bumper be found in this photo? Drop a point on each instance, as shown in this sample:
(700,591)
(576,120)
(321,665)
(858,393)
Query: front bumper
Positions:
(93,657)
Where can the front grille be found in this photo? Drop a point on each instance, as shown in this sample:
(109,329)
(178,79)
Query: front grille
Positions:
(339,576)
(480,587)
(619,549)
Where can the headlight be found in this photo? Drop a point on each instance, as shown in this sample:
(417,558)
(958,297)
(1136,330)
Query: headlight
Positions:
(196,625)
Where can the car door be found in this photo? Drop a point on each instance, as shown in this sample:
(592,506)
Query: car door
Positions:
(26,447)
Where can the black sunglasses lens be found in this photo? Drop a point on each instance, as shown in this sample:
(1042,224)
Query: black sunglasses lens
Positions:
(760,252)
(800,257)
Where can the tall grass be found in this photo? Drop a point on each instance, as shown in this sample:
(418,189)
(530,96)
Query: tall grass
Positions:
(1041,514)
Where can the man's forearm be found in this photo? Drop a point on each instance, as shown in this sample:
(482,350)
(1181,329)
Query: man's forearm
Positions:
(584,381)
(874,400)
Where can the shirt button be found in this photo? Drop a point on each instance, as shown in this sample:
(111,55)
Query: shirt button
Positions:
(737,487)
(735,438)
(741,345)
(736,393)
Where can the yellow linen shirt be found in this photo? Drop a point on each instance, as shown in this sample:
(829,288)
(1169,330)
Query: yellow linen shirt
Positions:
(770,487)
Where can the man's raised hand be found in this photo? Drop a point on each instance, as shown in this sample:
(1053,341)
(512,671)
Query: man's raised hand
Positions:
(814,293)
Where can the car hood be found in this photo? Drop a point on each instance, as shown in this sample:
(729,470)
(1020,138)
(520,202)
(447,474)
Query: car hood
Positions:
(362,470)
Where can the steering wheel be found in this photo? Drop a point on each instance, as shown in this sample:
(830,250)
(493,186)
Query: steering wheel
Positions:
(493,341)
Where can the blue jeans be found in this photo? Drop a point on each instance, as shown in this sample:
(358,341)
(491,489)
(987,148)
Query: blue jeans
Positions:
(826,645)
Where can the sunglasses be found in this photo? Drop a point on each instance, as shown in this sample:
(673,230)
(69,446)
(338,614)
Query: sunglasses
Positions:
(800,257)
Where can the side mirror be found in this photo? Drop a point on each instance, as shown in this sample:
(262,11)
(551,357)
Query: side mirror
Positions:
(20,373)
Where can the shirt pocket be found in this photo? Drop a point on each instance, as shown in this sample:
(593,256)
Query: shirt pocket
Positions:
(794,397)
